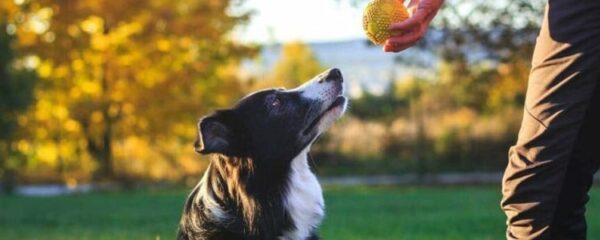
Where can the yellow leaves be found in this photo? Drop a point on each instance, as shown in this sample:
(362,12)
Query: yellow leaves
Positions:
(58,115)
(509,86)
(60,72)
(143,124)
(113,110)
(117,96)
(90,88)
(97,117)
(23,146)
(74,93)
(411,87)
(163,45)
(26,38)
(72,126)
(44,110)
(504,69)
(47,153)
(227,71)
(99,42)
(94,53)
(39,21)
(44,70)
(128,59)
(150,77)
(60,112)
(37,25)
(28,26)
(461,118)
(104,41)
(50,152)
(73,30)
(41,133)
(92,24)
(45,13)
(10,5)
(138,156)
(77,65)
(128,108)
(185,42)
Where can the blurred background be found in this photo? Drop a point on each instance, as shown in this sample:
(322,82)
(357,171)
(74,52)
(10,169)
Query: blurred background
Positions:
(111,91)
(98,95)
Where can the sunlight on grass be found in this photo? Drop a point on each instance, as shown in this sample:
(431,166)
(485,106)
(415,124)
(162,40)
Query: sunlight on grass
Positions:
(352,213)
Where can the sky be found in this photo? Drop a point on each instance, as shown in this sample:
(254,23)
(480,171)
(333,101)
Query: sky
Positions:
(303,20)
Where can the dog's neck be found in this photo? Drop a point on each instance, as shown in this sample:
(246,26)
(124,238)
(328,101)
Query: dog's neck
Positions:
(252,188)
(304,201)
(249,176)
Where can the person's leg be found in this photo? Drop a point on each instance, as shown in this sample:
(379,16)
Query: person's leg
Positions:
(563,79)
(569,217)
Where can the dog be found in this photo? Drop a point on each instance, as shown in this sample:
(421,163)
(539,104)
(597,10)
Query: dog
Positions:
(258,184)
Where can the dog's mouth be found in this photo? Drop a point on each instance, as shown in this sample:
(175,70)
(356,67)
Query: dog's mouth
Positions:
(338,102)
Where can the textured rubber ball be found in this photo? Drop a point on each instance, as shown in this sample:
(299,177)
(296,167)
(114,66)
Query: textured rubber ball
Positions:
(379,15)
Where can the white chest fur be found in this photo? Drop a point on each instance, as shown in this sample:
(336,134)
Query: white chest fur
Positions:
(304,200)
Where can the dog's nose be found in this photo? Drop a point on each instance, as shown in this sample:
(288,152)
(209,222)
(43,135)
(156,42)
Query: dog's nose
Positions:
(333,74)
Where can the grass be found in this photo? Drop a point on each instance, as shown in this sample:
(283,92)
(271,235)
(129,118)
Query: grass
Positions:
(352,213)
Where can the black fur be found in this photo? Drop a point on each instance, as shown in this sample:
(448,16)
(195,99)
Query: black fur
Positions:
(251,147)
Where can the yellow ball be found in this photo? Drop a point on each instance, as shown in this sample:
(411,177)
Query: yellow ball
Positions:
(379,15)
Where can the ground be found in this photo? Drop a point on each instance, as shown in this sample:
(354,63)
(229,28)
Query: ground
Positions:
(352,213)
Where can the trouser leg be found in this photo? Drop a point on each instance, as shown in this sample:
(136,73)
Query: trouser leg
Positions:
(569,217)
(540,176)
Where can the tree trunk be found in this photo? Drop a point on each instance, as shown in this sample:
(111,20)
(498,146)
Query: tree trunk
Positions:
(107,137)
(8,175)
(104,151)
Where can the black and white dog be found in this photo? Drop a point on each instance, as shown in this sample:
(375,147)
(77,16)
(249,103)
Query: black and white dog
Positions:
(259,184)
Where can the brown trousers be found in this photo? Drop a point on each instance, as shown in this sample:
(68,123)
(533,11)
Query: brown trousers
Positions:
(551,166)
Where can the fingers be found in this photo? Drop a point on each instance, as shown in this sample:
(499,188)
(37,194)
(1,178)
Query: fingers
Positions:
(410,37)
(396,48)
(407,33)
(405,40)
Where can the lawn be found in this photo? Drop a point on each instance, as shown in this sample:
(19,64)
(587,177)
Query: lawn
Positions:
(352,213)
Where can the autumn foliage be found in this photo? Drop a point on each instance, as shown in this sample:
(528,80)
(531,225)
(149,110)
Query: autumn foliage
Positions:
(121,84)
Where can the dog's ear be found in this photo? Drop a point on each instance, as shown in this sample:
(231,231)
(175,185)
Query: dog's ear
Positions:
(215,135)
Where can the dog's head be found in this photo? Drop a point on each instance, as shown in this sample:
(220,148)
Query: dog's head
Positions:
(275,123)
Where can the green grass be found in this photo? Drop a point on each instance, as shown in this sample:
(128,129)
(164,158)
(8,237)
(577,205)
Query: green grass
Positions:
(352,213)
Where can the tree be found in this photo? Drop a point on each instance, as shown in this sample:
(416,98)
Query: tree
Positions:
(486,48)
(16,88)
(113,70)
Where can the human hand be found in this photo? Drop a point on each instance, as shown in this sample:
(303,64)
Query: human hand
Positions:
(407,33)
